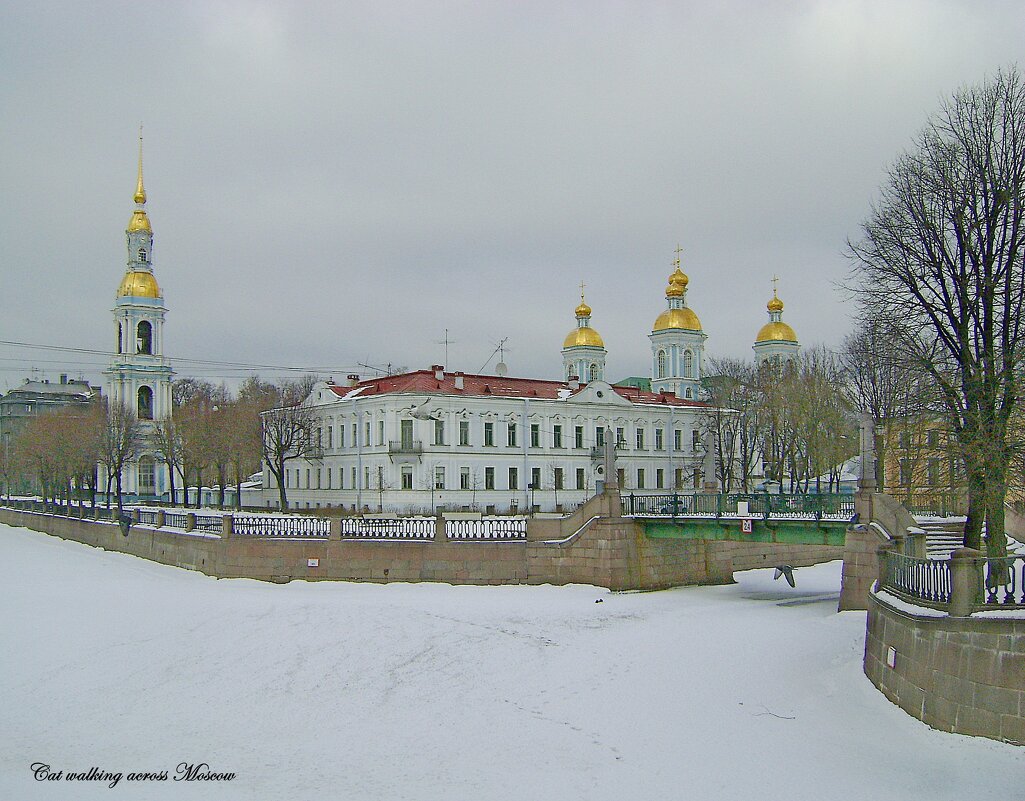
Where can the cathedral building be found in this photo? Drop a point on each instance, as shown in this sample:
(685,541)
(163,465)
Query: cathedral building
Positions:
(138,375)
(433,438)
(776,342)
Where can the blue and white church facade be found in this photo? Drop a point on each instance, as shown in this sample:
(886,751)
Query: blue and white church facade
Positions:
(139,376)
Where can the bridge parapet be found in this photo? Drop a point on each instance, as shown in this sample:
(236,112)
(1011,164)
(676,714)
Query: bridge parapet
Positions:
(768,506)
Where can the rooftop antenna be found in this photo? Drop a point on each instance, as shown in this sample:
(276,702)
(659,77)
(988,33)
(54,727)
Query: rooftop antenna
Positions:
(501,368)
(388,369)
(446,342)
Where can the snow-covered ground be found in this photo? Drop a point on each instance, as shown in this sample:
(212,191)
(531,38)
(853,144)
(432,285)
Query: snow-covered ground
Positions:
(428,691)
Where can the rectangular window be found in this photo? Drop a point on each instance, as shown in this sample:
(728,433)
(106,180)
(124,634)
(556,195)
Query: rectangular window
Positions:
(678,479)
(557,436)
(599,437)
(578,436)
(464,478)
(366,434)
(407,477)
(330,444)
(355,442)
(489,478)
(620,437)
(439,478)
(640,478)
(677,440)
(341,436)
(535,477)
(352,478)
(320,438)
(660,444)
(695,440)
(307,478)
(904,439)
(406,435)
(489,435)
(439,432)
(380,432)
(514,478)
(318,478)
(464,432)
(147,475)
(510,437)
(329,478)
(932,438)
(932,471)
(580,479)
(621,476)
(640,439)
(366,478)
(697,478)
(557,477)
(905,472)
(535,435)
(341,476)
(660,479)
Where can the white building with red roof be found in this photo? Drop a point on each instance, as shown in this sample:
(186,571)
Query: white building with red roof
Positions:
(428,439)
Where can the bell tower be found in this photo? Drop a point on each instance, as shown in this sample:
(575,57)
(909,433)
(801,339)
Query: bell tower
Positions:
(139,376)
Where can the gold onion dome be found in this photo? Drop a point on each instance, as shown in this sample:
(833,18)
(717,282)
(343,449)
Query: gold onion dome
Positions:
(677,284)
(583,310)
(583,336)
(677,318)
(776,332)
(774,305)
(138,284)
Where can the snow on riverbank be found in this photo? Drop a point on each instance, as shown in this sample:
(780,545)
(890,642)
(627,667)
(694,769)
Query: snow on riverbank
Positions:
(428,691)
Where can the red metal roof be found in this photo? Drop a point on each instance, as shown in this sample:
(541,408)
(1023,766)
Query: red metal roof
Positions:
(425,382)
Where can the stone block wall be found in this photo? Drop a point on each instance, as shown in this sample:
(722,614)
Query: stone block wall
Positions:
(860,565)
(957,674)
(753,555)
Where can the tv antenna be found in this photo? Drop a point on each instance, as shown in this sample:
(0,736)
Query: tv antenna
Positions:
(446,342)
(500,348)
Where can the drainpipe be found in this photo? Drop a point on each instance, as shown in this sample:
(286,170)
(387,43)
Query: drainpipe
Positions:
(359,461)
(525,439)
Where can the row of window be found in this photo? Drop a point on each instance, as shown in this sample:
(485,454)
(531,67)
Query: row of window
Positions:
(550,478)
(905,439)
(933,469)
(143,338)
(662,366)
(325,437)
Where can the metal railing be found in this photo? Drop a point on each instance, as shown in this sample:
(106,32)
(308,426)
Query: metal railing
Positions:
(392,528)
(818,506)
(921,580)
(175,520)
(280,526)
(508,529)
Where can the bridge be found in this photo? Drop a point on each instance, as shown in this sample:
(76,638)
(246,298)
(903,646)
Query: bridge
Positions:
(793,519)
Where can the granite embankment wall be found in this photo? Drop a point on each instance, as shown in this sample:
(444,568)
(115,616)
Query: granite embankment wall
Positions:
(606,551)
(957,674)
(594,545)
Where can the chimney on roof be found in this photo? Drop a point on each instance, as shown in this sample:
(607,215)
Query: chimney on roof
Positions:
(574,382)
(458,375)
(439,372)
(353,379)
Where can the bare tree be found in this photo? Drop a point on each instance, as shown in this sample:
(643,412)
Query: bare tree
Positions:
(288,429)
(121,438)
(942,254)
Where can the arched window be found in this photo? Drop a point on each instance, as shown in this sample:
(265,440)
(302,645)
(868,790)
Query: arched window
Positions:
(688,394)
(661,364)
(595,375)
(688,364)
(145,337)
(142,254)
(145,403)
(569,372)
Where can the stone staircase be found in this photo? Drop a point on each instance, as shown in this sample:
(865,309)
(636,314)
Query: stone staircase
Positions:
(944,536)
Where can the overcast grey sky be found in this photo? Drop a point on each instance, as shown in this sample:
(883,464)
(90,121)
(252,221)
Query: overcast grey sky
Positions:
(335,183)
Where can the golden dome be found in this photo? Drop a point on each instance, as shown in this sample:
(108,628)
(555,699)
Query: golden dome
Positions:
(583,310)
(583,336)
(776,332)
(775,304)
(677,284)
(677,318)
(138,284)
(139,221)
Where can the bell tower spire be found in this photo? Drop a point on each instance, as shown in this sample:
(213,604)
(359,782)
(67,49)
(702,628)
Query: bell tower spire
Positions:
(140,190)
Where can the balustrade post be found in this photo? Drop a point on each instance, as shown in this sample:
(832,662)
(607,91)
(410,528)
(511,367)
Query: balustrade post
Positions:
(190,521)
(336,528)
(227,526)
(160,519)
(883,553)
(965,581)
(916,543)
(439,527)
